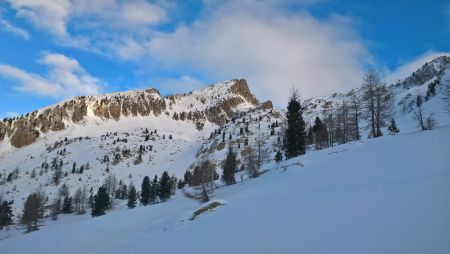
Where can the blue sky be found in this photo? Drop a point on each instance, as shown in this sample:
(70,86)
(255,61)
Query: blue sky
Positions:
(53,50)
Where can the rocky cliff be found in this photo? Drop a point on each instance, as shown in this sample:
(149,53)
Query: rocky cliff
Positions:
(215,104)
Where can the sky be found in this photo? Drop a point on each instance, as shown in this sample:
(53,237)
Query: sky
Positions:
(51,50)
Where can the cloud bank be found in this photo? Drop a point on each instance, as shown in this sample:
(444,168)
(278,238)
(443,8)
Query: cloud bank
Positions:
(257,40)
(65,78)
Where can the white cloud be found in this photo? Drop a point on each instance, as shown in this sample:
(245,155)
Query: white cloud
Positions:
(273,51)
(408,68)
(56,15)
(51,15)
(142,13)
(8,27)
(66,78)
(182,84)
(261,41)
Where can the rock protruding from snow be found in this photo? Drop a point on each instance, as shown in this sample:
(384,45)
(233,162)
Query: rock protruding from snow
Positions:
(215,104)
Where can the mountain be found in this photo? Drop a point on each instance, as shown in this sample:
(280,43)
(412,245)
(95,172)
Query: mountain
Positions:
(435,74)
(129,135)
(212,104)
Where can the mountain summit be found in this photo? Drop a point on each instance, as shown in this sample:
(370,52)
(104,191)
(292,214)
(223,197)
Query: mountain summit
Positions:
(214,104)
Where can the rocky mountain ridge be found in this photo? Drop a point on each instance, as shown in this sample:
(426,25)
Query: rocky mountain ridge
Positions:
(215,104)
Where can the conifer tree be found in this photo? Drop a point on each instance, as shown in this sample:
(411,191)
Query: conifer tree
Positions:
(278,156)
(67,205)
(320,133)
(188,177)
(164,187)
(229,167)
(295,132)
(6,214)
(100,202)
(132,197)
(123,191)
(393,127)
(180,184)
(155,190)
(145,191)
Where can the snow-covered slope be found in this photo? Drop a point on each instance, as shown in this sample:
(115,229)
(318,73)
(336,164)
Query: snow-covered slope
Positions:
(435,72)
(385,195)
(108,132)
(170,138)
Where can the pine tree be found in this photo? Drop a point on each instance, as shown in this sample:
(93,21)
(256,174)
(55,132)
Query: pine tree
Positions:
(67,205)
(132,197)
(295,132)
(278,156)
(6,214)
(188,177)
(181,184)
(393,127)
(124,191)
(320,133)
(155,190)
(101,202)
(145,191)
(164,187)
(229,167)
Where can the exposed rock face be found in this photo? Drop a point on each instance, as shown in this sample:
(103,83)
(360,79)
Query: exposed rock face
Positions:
(426,72)
(23,135)
(140,103)
(240,87)
(3,131)
(25,130)
(266,105)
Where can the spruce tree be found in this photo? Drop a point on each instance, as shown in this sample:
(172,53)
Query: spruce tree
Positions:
(155,190)
(100,202)
(123,191)
(6,214)
(229,167)
(295,132)
(164,187)
(145,191)
(132,197)
(393,129)
(67,205)
(278,156)
(188,177)
(320,133)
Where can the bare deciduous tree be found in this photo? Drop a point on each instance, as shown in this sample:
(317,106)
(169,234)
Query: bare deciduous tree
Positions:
(377,102)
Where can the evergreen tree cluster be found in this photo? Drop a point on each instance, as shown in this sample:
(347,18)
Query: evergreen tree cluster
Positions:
(153,191)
